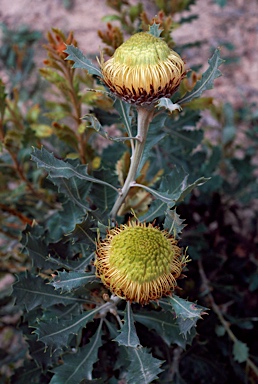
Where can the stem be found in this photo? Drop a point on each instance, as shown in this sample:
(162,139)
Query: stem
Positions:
(216,309)
(144,118)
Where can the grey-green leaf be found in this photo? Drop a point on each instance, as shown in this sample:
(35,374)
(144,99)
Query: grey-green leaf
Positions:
(55,335)
(165,324)
(32,292)
(67,281)
(81,61)
(78,366)
(206,82)
(240,351)
(173,224)
(144,368)
(58,168)
(128,336)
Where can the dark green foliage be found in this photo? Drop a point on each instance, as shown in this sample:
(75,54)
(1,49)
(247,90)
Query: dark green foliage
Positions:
(55,205)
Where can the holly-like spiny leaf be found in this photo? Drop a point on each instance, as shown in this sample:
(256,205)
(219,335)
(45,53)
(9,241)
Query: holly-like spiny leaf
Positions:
(154,30)
(68,281)
(187,313)
(166,326)
(206,82)
(78,366)
(144,368)
(55,335)
(58,168)
(31,291)
(128,336)
(173,224)
(81,61)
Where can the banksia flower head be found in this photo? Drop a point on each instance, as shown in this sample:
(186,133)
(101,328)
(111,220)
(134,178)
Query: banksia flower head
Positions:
(139,262)
(143,69)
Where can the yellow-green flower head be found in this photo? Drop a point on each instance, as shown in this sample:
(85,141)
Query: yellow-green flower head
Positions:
(139,262)
(143,69)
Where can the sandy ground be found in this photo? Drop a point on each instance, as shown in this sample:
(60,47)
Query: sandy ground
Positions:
(236,23)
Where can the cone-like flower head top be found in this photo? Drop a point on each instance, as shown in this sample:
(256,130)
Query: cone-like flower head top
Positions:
(138,262)
(143,69)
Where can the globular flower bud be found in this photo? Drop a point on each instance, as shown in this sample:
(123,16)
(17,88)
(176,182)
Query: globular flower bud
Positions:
(143,69)
(139,262)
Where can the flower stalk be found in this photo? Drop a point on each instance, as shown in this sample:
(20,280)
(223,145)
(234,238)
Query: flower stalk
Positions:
(144,119)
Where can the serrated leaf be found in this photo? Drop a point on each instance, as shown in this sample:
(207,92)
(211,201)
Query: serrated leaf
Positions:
(83,232)
(187,313)
(38,251)
(55,335)
(60,169)
(173,224)
(128,336)
(95,124)
(151,141)
(40,355)
(64,222)
(164,323)
(154,30)
(78,366)
(67,281)
(240,351)
(81,61)
(103,196)
(186,309)
(173,187)
(124,109)
(156,209)
(31,291)
(144,368)
(76,190)
(206,82)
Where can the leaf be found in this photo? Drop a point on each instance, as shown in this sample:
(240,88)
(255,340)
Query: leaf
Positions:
(101,194)
(154,30)
(128,336)
(173,187)
(173,224)
(166,103)
(186,309)
(80,61)
(83,232)
(59,169)
(151,141)
(31,291)
(76,190)
(187,313)
(164,323)
(144,368)
(124,109)
(78,366)
(206,82)
(55,335)
(240,351)
(156,209)
(67,281)
(65,221)
(38,251)
(95,124)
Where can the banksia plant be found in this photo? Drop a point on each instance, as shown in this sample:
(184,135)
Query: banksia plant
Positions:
(139,262)
(143,69)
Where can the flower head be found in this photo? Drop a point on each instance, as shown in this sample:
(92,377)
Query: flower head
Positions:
(139,262)
(143,69)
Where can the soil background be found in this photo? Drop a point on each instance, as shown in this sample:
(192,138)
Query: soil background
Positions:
(235,24)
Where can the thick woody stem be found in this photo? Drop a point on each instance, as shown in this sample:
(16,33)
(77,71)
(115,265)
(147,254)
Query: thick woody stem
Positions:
(144,118)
